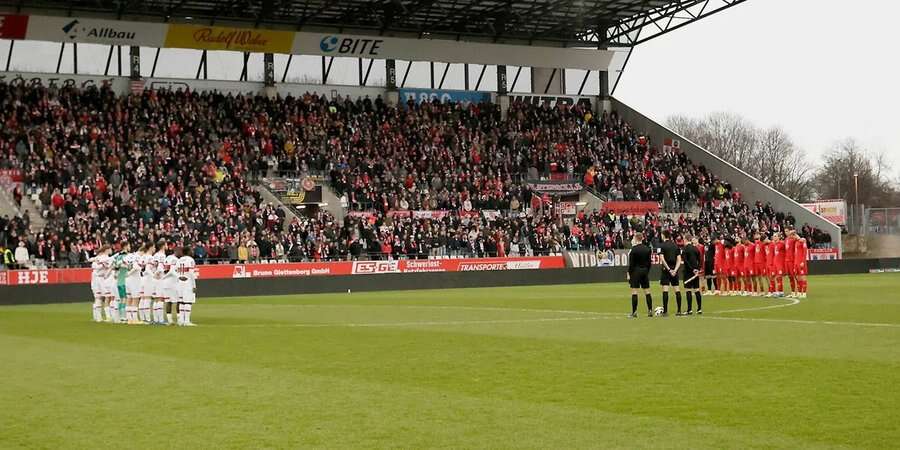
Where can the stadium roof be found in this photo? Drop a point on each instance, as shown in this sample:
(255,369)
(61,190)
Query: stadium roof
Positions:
(555,22)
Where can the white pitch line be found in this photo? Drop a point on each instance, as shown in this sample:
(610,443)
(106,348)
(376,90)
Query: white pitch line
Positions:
(583,315)
(810,322)
(451,307)
(407,324)
(793,302)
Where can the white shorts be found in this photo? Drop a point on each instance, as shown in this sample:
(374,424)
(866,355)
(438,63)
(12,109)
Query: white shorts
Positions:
(156,287)
(95,287)
(186,293)
(109,287)
(170,290)
(146,286)
(133,287)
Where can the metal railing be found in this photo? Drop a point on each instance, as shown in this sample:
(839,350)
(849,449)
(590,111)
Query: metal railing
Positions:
(881,221)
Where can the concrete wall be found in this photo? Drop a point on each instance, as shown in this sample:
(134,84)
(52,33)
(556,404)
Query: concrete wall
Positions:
(751,188)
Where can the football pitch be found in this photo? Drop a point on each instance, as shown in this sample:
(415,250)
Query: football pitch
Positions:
(522,367)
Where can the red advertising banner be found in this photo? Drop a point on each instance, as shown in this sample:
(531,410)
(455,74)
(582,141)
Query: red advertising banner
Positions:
(436,215)
(368,215)
(13,26)
(305,269)
(399,213)
(631,208)
(9,177)
(45,276)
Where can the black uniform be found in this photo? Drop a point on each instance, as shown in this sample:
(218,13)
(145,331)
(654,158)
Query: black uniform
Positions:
(669,251)
(690,258)
(639,262)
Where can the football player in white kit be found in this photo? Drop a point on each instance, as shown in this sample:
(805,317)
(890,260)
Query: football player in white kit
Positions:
(158,263)
(145,260)
(170,285)
(96,288)
(103,267)
(187,285)
(133,284)
(110,290)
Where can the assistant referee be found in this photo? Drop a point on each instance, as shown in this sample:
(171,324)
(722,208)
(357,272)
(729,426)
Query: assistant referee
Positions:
(639,273)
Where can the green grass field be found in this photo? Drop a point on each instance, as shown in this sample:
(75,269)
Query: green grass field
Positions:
(534,367)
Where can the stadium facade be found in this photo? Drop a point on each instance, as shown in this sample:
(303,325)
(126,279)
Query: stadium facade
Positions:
(538,51)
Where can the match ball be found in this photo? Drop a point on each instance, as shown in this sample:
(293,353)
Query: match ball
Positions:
(658,311)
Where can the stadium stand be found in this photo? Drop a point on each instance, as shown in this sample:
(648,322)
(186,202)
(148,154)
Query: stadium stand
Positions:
(180,165)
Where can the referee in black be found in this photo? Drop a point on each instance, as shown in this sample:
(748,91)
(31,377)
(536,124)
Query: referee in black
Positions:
(671,262)
(639,273)
(693,267)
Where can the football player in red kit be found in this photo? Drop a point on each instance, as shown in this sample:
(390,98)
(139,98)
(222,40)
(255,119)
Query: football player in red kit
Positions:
(737,260)
(749,273)
(728,269)
(789,241)
(759,265)
(800,267)
(778,251)
(720,271)
(769,266)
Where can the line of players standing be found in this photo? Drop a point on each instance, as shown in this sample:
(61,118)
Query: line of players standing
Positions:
(144,287)
(730,266)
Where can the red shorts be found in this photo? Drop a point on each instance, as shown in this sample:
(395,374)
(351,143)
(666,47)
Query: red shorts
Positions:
(732,273)
(760,270)
(788,268)
(718,267)
(802,269)
(749,272)
(776,271)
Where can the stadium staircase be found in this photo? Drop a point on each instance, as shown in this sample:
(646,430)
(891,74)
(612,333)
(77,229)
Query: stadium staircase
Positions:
(593,201)
(29,208)
(335,208)
(269,197)
(7,204)
(35,213)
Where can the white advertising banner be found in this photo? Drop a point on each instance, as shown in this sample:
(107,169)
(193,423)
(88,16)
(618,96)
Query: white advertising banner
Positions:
(440,50)
(52,80)
(550,99)
(96,31)
(148,34)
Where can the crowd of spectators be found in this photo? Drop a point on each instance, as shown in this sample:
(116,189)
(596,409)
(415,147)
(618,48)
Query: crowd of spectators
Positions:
(181,166)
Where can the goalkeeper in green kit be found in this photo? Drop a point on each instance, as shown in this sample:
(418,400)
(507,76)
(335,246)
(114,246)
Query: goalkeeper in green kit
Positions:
(121,266)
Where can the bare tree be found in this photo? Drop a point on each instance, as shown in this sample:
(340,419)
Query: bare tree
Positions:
(770,155)
(782,165)
(849,169)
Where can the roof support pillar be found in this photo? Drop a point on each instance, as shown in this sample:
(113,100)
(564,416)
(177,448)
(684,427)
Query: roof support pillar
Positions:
(390,70)
(269,75)
(502,87)
(135,57)
(268,69)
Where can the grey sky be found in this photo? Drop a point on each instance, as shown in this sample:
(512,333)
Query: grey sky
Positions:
(822,69)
